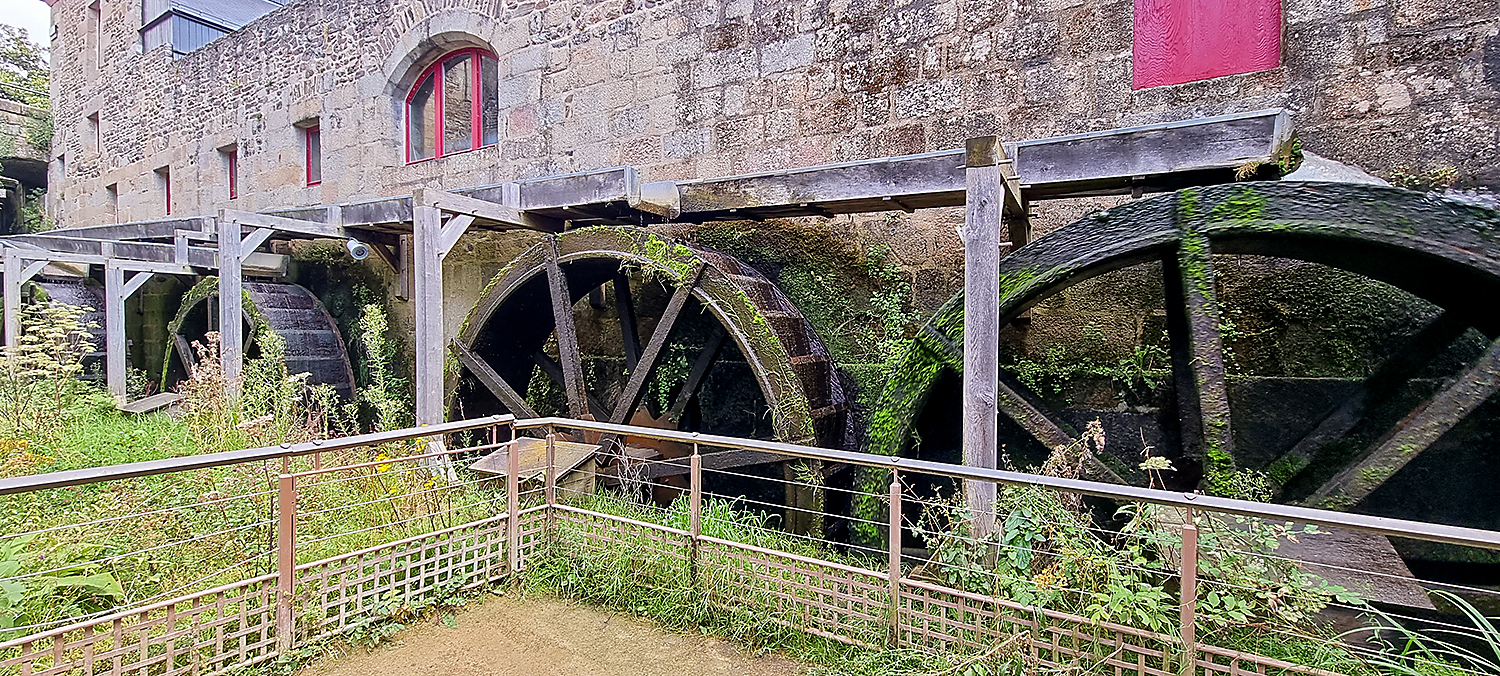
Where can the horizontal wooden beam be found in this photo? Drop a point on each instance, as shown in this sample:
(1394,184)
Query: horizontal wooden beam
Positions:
(483,210)
(163,229)
(96,251)
(282,224)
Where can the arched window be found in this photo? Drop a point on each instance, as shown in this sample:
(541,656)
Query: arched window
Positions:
(453,106)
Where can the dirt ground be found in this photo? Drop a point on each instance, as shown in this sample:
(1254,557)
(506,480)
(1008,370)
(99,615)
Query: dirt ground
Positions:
(544,636)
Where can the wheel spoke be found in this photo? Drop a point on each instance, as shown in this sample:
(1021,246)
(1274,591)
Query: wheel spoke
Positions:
(567,335)
(492,381)
(1198,358)
(625,307)
(185,353)
(1427,345)
(1416,432)
(695,377)
(636,386)
(554,371)
(1010,402)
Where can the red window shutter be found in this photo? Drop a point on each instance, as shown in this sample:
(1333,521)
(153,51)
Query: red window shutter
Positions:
(1180,41)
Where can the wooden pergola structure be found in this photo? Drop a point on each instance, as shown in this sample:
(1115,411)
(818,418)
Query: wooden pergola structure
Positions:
(994,180)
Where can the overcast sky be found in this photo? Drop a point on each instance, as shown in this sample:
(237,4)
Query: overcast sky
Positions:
(33,15)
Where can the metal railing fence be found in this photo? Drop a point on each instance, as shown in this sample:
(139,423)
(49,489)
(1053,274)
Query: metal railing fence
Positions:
(360,537)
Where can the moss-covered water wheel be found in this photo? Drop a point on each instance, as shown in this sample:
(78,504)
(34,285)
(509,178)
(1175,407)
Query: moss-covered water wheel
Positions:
(1393,420)
(623,325)
(313,342)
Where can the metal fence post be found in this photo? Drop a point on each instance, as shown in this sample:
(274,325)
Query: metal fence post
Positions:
(513,503)
(894,541)
(695,510)
(286,560)
(1189,594)
(551,481)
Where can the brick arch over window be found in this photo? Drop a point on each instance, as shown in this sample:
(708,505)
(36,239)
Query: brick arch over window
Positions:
(452,105)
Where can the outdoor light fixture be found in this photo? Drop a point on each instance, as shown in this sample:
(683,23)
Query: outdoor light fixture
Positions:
(357,250)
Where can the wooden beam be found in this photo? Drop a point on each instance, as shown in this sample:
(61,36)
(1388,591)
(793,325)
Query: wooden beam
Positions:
(981,377)
(114,332)
(1050,433)
(701,365)
(554,371)
(492,381)
(567,333)
(12,300)
(162,229)
(1197,353)
(929,179)
(482,210)
(614,184)
(625,307)
(185,353)
(143,252)
(1418,352)
(253,241)
(231,304)
(455,228)
(136,281)
(295,226)
(427,298)
(1145,158)
(1415,434)
(636,385)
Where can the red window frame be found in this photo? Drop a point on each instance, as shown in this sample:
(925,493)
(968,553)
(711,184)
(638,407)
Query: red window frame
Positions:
(233,159)
(308,135)
(476,115)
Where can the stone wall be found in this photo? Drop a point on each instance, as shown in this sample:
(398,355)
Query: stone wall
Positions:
(697,88)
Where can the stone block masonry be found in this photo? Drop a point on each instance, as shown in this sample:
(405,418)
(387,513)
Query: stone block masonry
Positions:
(696,88)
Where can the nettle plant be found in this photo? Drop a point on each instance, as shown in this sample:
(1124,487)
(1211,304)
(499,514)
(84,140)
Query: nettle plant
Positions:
(1047,551)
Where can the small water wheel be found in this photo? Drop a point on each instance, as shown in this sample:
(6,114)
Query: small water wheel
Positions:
(313,343)
(84,295)
(622,325)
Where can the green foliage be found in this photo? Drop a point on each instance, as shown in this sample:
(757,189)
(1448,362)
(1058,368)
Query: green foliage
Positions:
(39,386)
(386,394)
(36,586)
(1431,178)
(1438,651)
(23,66)
(1145,366)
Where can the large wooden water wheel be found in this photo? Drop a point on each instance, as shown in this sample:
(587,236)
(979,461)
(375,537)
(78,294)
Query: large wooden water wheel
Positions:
(1353,439)
(1442,250)
(622,325)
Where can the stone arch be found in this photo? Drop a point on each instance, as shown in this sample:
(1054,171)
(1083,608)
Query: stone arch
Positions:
(422,44)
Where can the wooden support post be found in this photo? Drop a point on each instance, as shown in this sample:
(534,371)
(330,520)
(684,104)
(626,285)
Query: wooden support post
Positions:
(513,502)
(567,335)
(12,301)
(893,570)
(981,378)
(286,561)
(114,330)
(1189,597)
(231,339)
(428,299)
(695,511)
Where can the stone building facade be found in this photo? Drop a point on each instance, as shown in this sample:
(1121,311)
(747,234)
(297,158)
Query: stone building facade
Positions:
(699,88)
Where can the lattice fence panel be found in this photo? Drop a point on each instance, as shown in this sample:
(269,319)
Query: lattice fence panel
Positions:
(657,556)
(823,598)
(205,633)
(338,593)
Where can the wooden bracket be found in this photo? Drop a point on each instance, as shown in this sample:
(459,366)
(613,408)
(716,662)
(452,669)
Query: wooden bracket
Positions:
(452,230)
(252,241)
